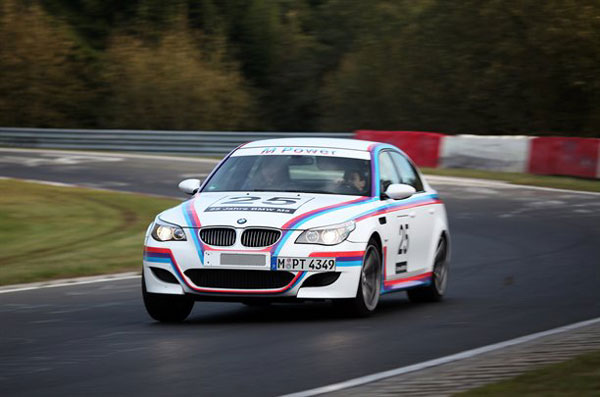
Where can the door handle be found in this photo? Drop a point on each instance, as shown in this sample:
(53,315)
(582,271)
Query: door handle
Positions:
(412,214)
(431,211)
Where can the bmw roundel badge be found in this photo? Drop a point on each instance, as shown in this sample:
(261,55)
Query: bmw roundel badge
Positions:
(241,221)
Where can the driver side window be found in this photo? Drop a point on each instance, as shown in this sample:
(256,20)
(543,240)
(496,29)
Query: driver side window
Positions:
(387,172)
(407,172)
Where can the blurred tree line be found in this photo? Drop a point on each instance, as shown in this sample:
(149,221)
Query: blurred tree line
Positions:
(474,66)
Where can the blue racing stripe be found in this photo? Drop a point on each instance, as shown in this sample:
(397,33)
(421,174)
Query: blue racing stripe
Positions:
(194,229)
(348,264)
(157,260)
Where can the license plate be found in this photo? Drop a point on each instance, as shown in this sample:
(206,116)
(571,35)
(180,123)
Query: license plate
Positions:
(243,260)
(236,260)
(306,264)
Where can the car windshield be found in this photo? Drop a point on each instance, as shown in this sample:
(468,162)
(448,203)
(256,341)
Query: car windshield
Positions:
(293,173)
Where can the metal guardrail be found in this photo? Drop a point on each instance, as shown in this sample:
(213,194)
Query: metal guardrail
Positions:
(192,142)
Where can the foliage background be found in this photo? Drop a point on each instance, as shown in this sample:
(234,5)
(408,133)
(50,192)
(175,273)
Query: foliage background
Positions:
(474,66)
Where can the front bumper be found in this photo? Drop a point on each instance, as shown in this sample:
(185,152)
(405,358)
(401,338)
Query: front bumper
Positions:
(181,258)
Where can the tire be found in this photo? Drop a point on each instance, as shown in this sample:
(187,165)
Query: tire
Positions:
(369,285)
(166,308)
(434,292)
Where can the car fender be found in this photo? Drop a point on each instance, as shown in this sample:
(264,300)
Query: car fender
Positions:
(440,228)
(174,215)
(364,230)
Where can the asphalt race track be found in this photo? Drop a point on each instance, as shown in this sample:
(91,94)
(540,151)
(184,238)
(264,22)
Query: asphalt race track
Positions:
(524,260)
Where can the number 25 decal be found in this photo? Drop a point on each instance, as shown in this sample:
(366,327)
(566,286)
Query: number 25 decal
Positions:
(281,200)
(272,200)
(241,200)
(403,248)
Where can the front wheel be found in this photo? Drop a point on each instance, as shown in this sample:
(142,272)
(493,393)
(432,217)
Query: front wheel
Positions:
(369,285)
(434,292)
(166,308)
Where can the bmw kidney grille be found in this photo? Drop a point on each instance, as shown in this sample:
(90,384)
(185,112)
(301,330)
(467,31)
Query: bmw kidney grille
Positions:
(226,237)
(260,237)
(218,236)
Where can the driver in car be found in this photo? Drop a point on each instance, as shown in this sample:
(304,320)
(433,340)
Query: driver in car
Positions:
(355,182)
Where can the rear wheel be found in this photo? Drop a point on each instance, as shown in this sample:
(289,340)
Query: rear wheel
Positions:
(369,285)
(166,308)
(434,292)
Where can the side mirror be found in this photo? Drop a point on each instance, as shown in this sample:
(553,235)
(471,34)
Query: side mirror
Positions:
(399,191)
(189,186)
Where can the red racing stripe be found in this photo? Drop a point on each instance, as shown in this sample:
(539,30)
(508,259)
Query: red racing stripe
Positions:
(341,254)
(407,279)
(192,211)
(394,209)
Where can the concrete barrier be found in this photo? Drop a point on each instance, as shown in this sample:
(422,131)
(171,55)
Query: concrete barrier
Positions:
(505,153)
(422,147)
(494,153)
(565,156)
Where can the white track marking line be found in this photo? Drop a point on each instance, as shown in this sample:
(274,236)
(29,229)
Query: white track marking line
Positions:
(500,184)
(101,189)
(69,282)
(49,183)
(113,154)
(439,361)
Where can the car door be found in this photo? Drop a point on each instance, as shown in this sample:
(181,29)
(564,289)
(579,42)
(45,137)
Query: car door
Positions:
(397,227)
(421,217)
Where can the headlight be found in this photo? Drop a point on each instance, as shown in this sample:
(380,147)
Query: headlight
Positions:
(328,235)
(163,231)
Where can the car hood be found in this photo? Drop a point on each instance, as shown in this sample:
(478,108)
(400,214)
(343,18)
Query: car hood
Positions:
(268,209)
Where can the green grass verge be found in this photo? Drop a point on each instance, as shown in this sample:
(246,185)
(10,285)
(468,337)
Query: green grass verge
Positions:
(53,232)
(559,182)
(577,377)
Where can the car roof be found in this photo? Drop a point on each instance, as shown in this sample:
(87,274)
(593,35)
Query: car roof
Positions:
(338,143)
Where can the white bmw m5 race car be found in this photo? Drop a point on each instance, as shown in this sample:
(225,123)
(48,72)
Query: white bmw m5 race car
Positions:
(299,219)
